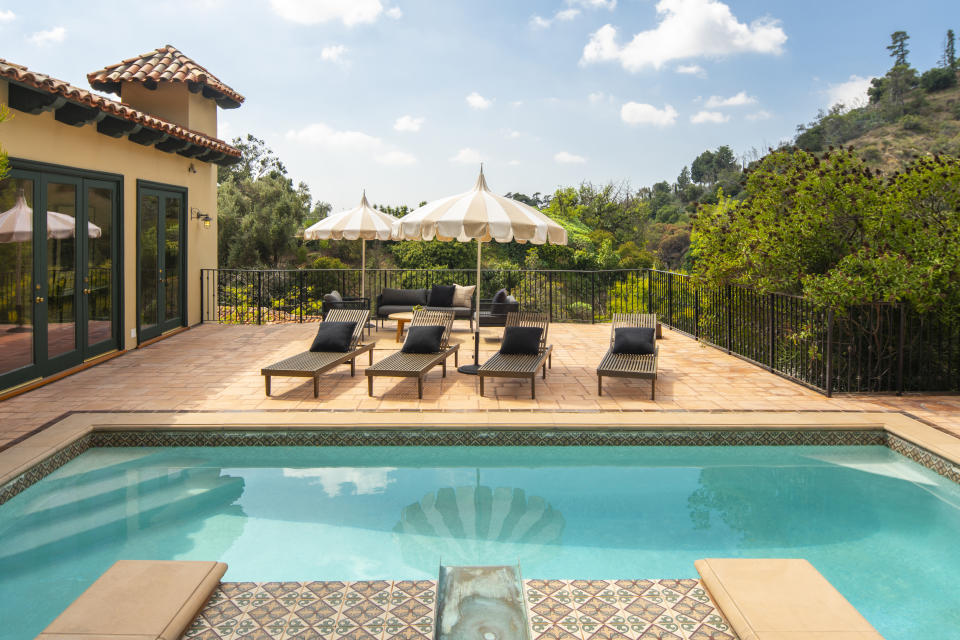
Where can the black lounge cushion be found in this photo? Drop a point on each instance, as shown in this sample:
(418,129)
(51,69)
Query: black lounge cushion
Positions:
(403,297)
(521,341)
(633,340)
(333,296)
(423,339)
(442,295)
(497,303)
(333,336)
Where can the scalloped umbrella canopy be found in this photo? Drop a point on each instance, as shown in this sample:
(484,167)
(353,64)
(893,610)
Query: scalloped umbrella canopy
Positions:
(479,214)
(363,223)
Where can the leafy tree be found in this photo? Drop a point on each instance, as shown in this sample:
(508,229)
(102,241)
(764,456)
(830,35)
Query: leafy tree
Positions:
(938,79)
(949,59)
(4,161)
(259,209)
(702,169)
(434,255)
(828,227)
(898,48)
(683,180)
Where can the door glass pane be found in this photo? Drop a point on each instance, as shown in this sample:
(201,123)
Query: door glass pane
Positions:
(171,262)
(99,277)
(61,268)
(149,219)
(16,274)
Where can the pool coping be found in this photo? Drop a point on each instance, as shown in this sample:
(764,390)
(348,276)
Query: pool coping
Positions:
(29,460)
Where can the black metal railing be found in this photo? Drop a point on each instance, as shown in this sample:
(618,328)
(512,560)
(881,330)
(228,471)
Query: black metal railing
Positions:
(869,348)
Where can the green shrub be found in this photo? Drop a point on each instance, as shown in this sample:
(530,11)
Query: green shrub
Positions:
(938,79)
(912,123)
(326,262)
(872,154)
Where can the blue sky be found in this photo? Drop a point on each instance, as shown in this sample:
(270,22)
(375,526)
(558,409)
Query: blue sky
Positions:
(404,97)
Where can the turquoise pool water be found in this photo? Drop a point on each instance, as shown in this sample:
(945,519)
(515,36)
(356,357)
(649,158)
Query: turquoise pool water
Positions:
(884,530)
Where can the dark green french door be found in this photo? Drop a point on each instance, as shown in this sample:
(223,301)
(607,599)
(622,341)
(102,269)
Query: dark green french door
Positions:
(59,261)
(161,261)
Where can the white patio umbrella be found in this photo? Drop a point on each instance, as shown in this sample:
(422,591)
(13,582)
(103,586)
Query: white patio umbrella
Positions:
(363,223)
(481,215)
(16,225)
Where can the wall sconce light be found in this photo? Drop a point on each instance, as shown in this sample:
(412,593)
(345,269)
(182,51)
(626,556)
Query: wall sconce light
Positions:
(196,214)
(191,168)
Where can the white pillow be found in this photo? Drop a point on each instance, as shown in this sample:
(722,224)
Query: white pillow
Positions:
(462,295)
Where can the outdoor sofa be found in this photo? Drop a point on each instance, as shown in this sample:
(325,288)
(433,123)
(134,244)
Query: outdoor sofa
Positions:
(311,364)
(630,365)
(403,364)
(507,364)
(493,311)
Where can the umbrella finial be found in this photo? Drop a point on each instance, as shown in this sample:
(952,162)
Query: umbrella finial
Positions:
(481,181)
(363,200)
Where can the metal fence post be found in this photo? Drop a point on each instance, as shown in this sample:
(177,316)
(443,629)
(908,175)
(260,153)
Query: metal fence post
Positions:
(696,312)
(550,296)
(593,297)
(901,348)
(259,296)
(830,353)
(772,337)
(670,299)
(649,290)
(301,294)
(203,296)
(729,318)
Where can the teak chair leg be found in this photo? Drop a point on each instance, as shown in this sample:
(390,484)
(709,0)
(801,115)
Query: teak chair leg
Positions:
(544,371)
(420,387)
(443,366)
(371,356)
(533,387)
(599,385)
(370,386)
(316,386)
(266,380)
(353,367)
(653,389)
(456,358)
(481,386)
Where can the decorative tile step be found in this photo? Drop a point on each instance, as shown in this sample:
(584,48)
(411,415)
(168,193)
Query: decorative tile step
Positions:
(405,610)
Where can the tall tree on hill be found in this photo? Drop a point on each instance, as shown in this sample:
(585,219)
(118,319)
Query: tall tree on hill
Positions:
(949,51)
(898,48)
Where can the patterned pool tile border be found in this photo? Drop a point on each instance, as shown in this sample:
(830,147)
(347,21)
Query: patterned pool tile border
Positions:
(475,438)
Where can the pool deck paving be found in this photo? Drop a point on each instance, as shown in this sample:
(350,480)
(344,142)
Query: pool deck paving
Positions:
(212,368)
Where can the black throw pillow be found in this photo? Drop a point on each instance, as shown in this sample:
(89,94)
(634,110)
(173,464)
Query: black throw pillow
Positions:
(497,306)
(442,295)
(423,339)
(521,341)
(333,336)
(635,340)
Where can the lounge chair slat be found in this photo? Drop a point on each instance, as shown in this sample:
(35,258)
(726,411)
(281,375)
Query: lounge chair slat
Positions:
(502,365)
(416,365)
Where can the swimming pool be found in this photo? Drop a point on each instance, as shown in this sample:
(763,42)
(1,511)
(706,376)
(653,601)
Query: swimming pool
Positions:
(880,527)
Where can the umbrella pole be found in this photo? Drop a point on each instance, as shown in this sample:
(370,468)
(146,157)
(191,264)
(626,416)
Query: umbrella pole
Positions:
(363,267)
(473,369)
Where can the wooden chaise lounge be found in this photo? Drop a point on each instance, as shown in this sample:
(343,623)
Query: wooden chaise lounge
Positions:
(311,364)
(416,365)
(503,365)
(629,365)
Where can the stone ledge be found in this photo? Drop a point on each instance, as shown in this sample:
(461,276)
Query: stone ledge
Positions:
(138,600)
(781,599)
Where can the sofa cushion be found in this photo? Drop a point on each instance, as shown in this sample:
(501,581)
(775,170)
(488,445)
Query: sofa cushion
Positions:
(496,304)
(423,339)
(333,336)
(385,310)
(405,297)
(462,296)
(441,295)
(333,296)
(633,340)
(521,341)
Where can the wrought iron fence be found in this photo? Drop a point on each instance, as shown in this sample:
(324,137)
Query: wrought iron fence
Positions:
(869,348)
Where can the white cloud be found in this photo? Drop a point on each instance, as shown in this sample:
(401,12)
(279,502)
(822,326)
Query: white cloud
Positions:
(396,158)
(565,157)
(516,103)
(687,29)
(852,93)
(50,36)
(325,137)
(408,123)
(599,96)
(395,12)
(638,113)
(7,16)
(512,135)
(477,101)
(368,481)
(759,115)
(564,15)
(595,4)
(467,156)
(692,70)
(333,53)
(350,12)
(738,100)
(714,117)
(514,163)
